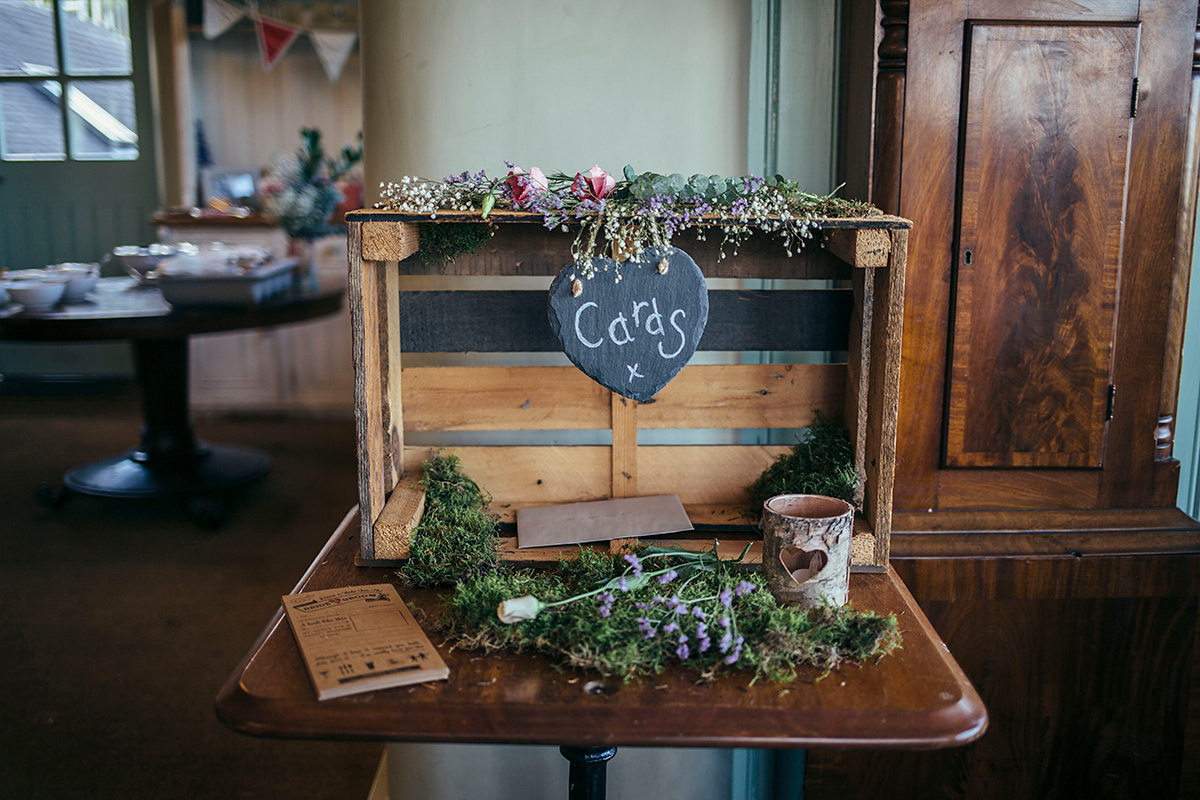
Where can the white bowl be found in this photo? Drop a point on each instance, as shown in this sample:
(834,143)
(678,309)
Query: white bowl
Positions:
(37,295)
(77,288)
(80,278)
(140,262)
(25,274)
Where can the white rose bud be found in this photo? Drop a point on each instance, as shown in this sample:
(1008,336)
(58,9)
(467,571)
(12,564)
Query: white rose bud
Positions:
(519,608)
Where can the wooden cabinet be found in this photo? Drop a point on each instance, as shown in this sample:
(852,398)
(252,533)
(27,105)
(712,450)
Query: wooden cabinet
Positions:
(1045,152)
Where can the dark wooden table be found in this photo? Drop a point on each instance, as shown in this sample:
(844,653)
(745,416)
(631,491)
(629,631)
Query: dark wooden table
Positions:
(916,698)
(169,461)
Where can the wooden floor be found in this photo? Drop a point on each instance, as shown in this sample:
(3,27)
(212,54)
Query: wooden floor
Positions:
(120,620)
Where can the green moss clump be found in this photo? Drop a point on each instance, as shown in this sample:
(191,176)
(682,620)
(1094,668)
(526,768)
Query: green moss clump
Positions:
(442,242)
(821,463)
(652,625)
(456,537)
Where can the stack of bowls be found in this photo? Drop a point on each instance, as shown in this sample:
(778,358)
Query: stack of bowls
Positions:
(81,278)
(35,289)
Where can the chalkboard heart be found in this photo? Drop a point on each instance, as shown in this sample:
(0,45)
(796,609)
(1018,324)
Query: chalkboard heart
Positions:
(631,325)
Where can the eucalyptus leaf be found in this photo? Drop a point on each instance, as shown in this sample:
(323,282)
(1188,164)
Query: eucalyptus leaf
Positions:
(630,175)
(716,186)
(662,185)
(631,582)
(677,182)
(641,188)
(699,185)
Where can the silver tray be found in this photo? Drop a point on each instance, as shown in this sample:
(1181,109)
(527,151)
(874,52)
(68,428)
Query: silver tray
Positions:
(250,287)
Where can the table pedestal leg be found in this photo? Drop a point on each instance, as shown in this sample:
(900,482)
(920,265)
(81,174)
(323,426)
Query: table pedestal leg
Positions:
(168,461)
(589,771)
(162,370)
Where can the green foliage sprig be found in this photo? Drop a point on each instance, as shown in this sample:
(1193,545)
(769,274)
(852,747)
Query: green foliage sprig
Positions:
(822,462)
(456,538)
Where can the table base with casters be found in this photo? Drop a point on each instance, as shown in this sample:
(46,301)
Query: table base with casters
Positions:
(168,460)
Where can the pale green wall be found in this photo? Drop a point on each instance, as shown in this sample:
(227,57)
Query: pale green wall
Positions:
(462,84)
(1187,413)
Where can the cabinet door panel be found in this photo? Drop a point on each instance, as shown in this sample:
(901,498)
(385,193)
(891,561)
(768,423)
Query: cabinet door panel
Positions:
(1045,139)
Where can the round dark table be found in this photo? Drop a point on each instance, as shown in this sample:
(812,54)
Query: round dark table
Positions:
(169,461)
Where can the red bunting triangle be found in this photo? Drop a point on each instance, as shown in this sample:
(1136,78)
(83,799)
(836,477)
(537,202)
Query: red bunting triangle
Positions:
(274,38)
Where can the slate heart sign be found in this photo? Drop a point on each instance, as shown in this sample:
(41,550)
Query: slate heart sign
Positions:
(631,325)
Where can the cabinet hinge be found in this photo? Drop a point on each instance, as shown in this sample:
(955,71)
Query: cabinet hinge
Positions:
(1108,409)
(1133,100)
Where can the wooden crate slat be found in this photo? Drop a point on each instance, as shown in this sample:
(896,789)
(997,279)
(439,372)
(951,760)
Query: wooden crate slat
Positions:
(860,247)
(518,321)
(490,398)
(533,475)
(624,446)
(382,241)
(704,474)
(730,545)
(485,398)
(884,394)
(747,396)
(726,548)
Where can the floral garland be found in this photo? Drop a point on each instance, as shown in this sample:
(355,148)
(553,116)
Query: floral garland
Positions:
(636,212)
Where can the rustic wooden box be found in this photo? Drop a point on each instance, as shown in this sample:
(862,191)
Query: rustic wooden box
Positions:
(861,316)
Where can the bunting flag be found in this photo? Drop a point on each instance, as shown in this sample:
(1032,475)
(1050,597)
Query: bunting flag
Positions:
(274,38)
(333,48)
(219,16)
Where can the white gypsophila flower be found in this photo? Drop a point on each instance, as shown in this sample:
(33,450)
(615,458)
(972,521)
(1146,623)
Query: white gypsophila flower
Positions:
(516,609)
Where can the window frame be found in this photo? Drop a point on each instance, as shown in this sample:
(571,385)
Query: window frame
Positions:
(65,81)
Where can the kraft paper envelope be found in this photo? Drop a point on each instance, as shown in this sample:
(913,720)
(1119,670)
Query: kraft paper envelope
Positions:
(600,519)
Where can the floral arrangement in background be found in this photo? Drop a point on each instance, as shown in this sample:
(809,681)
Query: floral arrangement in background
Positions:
(636,211)
(302,188)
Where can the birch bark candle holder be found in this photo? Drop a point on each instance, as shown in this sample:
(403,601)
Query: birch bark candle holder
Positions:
(806,549)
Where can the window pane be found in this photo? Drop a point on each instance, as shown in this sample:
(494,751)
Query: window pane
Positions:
(102,121)
(96,34)
(31,121)
(27,38)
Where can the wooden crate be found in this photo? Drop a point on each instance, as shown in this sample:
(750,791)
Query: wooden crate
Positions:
(861,316)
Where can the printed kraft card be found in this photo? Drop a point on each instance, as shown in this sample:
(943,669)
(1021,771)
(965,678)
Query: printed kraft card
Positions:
(359,639)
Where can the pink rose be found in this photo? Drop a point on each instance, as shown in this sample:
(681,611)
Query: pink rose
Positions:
(596,184)
(526,187)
